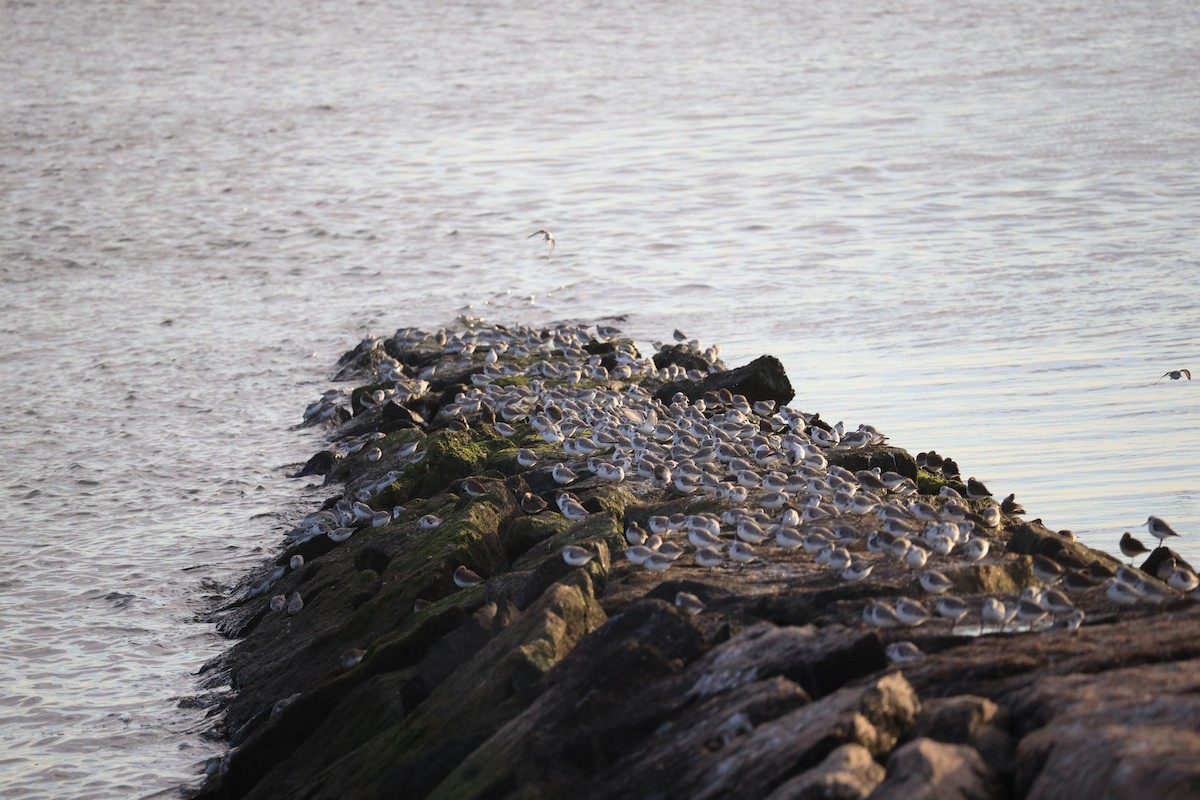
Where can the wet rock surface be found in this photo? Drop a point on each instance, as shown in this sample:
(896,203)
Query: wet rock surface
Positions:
(550,566)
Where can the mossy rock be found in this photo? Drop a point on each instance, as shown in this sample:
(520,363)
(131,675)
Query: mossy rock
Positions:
(524,532)
(930,484)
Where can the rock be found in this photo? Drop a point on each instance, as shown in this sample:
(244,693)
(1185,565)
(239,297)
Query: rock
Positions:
(681,356)
(762,754)
(1124,733)
(817,659)
(395,417)
(319,464)
(970,720)
(848,773)
(927,770)
(885,457)
(761,379)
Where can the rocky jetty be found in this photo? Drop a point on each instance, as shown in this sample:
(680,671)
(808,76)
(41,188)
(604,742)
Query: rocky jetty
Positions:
(552,567)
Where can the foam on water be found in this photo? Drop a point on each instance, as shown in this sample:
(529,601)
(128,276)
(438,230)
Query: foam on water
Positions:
(971,225)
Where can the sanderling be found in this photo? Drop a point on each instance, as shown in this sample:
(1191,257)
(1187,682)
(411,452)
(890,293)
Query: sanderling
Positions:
(563,474)
(1131,547)
(1122,593)
(340,534)
(688,603)
(658,562)
(577,556)
(856,570)
(1176,374)
(278,603)
(911,612)
(935,582)
(950,608)
(742,552)
(1160,530)
(635,534)
(880,615)
(465,578)
(709,557)
(916,557)
(1182,579)
(903,652)
(295,603)
(975,549)
(547,237)
(474,487)
(572,510)
(995,612)
(429,522)
(296,562)
(526,457)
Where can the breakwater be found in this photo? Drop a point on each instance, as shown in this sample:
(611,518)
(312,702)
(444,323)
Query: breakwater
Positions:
(550,565)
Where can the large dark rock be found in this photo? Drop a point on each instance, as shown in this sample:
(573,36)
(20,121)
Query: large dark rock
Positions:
(762,379)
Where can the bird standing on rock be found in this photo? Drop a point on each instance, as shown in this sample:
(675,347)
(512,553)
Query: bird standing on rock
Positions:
(976,490)
(1132,547)
(1009,505)
(1160,530)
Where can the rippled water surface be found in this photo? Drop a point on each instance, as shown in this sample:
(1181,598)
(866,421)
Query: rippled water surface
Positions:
(974,225)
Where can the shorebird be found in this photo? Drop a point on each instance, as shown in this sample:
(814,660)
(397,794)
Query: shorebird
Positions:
(903,652)
(1132,547)
(1160,530)
(1176,374)
(976,490)
(1010,505)
(688,603)
(465,578)
(577,556)
(547,237)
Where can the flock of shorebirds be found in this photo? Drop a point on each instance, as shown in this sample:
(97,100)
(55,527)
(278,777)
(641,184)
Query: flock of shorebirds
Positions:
(769,466)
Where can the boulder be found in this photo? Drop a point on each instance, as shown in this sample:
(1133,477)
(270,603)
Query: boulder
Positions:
(927,770)
(762,379)
(848,773)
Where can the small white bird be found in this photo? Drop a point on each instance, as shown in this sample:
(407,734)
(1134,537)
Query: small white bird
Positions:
(935,582)
(547,237)
(428,522)
(742,553)
(688,603)
(563,474)
(577,556)
(903,652)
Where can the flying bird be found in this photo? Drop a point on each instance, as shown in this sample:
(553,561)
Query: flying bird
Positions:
(1176,374)
(547,237)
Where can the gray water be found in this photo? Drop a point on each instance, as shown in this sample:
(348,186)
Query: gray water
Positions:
(974,225)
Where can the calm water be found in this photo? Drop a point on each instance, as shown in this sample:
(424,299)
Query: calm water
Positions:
(974,225)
